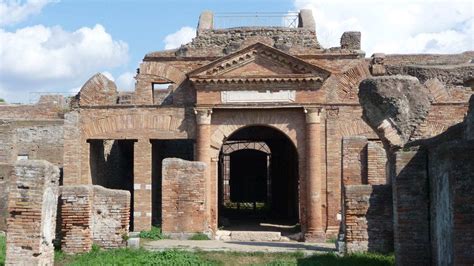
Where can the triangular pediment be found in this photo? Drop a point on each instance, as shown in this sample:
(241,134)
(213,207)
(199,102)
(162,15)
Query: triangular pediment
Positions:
(258,61)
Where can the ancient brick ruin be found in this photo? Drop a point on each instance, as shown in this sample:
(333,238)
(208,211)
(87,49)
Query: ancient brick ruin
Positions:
(33,199)
(374,151)
(93,215)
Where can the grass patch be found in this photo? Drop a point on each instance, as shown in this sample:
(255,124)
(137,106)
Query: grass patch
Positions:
(175,257)
(199,236)
(3,249)
(132,257)
(154,234)
(332,240)
(349,260)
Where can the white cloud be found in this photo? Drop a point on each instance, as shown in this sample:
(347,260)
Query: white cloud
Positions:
(126,81)
(396,26)
(40,58)
(182,36)
(14,11)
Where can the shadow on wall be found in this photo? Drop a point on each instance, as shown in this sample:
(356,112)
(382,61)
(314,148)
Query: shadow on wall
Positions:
(379,220)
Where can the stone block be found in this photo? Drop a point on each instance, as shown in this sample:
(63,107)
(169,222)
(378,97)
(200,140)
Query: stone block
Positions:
(306,19)
(350,40)
(255,236)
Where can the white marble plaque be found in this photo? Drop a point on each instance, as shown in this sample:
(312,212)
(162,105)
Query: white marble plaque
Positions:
(283,96)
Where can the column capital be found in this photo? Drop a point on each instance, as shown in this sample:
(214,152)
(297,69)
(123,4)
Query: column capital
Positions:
(203,116)
(313,115)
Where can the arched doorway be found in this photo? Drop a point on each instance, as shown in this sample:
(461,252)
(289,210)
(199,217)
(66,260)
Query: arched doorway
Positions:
(258,181)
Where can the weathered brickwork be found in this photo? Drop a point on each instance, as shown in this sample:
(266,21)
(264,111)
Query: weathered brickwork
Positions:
(31,223)
(354,161)
(376,163)
(368,218)
(5,173)
(93,215)
(183,193)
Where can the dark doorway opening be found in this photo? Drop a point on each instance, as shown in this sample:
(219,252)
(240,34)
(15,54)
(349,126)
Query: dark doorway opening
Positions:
(161,149)
(111,164)
(258,181)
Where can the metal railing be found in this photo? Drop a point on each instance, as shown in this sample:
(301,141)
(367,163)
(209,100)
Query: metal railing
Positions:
(257,19)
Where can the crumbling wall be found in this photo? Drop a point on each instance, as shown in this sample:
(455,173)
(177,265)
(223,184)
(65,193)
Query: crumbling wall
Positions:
(184,194)
(368,218)
(48,107)
(31,224)
(93,215)
(432,175)
(5,173)
(367,207)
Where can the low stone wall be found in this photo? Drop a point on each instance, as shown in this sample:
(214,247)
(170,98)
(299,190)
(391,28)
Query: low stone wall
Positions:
(368,218)
(183,194)
(31,223)
(93,215)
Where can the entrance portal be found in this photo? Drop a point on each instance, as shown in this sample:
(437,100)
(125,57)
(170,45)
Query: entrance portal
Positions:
(258,181)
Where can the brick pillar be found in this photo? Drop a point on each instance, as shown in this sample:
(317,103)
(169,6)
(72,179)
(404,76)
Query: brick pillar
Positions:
(314,231)
(142,185)
(31,223)
(203,151)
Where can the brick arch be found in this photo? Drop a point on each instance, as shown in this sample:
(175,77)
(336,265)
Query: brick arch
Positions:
(285,124)
(129,124)
(151,72)
(348,82)
(163,71)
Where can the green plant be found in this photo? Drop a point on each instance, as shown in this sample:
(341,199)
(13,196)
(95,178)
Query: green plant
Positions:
(2,100)
(125,237)
(95,248)
(199,236)
(154,234)
(331,240)
(3,249)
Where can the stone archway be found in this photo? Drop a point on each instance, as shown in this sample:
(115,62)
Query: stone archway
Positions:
(290,122)
(258,187)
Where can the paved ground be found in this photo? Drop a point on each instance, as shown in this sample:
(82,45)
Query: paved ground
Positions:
(238,246)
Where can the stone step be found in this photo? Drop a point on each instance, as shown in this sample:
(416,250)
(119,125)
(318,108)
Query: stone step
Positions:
(266,236)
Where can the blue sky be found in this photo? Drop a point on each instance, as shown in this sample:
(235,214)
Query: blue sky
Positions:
(55,45)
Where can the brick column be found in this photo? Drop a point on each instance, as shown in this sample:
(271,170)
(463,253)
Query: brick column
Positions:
(142,185)
(314,230)
(203,151)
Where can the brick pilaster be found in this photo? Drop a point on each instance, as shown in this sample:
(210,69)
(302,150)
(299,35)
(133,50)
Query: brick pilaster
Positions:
(142,185)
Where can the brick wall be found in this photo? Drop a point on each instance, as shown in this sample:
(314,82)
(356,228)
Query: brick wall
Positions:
(411,208)
(183,193)
(376,163)
(451,167)
(368,218)
(5,173)
(93,215)
(33,194)
(354,160)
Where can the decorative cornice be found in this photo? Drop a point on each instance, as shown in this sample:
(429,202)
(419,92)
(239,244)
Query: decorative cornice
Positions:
(249,54)
(255,79)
